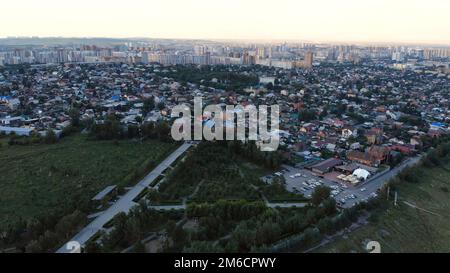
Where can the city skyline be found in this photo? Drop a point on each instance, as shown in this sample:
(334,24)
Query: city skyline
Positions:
(325,21)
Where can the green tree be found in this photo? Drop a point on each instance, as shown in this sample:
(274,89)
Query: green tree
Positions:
(203,247)
(139,247)
(74,114)
(149,105)
(50,137)
(92,247)
(33,247)
(161,105)
(329,206)
(320,194)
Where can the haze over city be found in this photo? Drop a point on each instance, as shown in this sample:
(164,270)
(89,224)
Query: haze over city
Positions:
(402,21)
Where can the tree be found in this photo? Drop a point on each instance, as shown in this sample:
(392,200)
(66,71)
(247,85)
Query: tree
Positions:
(148,130)
(325,226)
(118,233)
(138,119)
(133,131)
(203,247)
(33,247)
(149,105)
(307,115)
(178,235)
(244,237)
(50,137)
(69,223)
(320,194)
(268,233)
(49,240)
(109,129)
(163,130)
(74,115)
(92,247)
(329,206)
(139,247)
(161,105)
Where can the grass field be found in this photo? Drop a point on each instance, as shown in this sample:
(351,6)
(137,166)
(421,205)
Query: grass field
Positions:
(42,179)
(404,228)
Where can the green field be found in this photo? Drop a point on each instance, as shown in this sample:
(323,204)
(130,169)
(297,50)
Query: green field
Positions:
(44,179)
(406,229)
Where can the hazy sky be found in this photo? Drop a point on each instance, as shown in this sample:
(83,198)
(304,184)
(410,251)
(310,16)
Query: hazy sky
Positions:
(319,20)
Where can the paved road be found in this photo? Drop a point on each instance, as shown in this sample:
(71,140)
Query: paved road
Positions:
(286,205)
(270,205)
(125,203)
(169,207)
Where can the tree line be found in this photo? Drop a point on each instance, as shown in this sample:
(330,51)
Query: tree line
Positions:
(111,129)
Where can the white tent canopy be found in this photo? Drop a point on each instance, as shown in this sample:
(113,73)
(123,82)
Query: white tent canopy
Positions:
(361,173)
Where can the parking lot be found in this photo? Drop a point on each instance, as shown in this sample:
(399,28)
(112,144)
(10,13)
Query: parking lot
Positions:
(304,182)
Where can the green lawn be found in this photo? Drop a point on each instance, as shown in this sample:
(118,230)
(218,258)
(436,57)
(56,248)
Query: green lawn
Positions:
(406,229)
(41,179)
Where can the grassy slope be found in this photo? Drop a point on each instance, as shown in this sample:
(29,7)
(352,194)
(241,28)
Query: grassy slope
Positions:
(43,178)
(405,229)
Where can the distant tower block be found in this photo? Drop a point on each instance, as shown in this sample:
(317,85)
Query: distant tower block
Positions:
(309,58)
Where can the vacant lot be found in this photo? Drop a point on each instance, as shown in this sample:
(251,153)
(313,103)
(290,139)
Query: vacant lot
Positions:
(42,179)
(404,228)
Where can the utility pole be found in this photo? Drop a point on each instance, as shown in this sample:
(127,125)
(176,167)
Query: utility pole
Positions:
(387,194)
(395,199)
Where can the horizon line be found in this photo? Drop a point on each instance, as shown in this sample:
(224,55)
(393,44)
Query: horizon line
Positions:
(246,40)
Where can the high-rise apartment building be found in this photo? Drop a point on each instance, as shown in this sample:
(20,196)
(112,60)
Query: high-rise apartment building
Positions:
(309,58)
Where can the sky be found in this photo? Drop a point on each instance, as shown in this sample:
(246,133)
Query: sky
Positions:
(403,21)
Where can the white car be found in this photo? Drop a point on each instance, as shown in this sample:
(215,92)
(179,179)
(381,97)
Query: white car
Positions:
(291,176)
(363,189)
